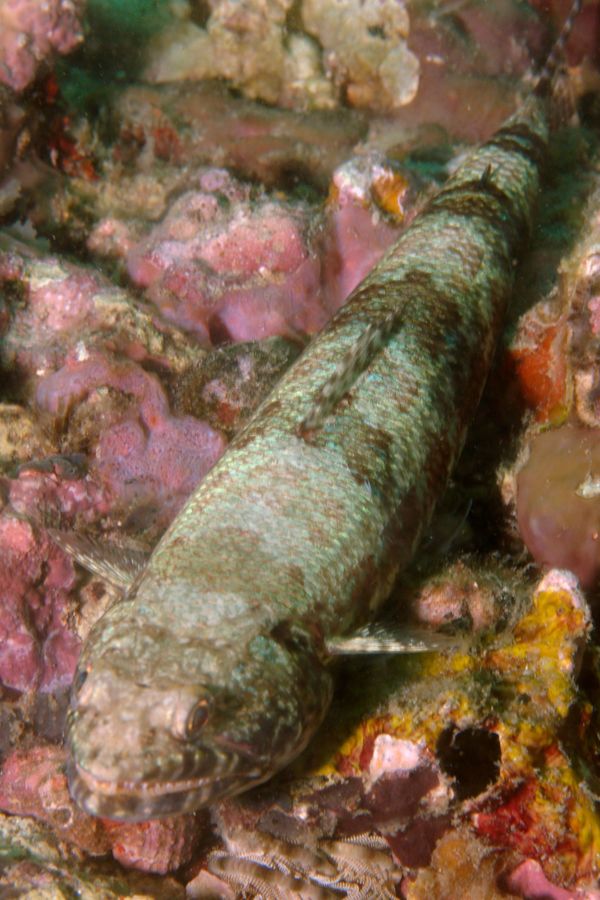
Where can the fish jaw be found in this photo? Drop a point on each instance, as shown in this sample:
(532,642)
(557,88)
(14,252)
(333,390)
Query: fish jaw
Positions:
(131,757)
(131,801)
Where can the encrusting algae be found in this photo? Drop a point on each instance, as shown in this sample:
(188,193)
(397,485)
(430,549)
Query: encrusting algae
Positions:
(454,746)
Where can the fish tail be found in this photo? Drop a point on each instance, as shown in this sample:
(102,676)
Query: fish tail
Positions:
(518,135)
(544,80)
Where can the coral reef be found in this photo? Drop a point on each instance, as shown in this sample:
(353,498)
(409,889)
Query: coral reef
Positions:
(169,248)
(430,776)
(383,56)
(141,453)
(33,783)
(353,237)
(240,273)
(558,500)
(203,124)
(37,649)
(555,350)
(35,861)
(225,265)
(246,44)
(365,50)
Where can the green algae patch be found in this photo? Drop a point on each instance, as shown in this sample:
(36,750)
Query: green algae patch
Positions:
(115,50)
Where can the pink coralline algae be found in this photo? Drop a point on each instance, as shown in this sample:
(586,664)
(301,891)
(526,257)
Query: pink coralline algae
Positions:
(53,490)
(38,644)
(243,274)
(33,783)
(558,500)
(79,345)
(228,266)
(51,305)
(37,649)
(143,455)
(156,846)
(356,231)
(30,31)
(528,880)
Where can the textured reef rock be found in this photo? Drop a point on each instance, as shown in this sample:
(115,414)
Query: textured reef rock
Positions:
(32,35)
(311,54)
(33,783)
(454,64)
(37,649)
(555,351)
(358,47)
(21,438)
(369,199)
(558,500)
(225,265)
(30,32)
(203,124)
(229,262)
(36,862)
(12,117)
(365,51)
(240,274)
(142,454)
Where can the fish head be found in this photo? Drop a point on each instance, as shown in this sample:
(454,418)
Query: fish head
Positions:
(161,724)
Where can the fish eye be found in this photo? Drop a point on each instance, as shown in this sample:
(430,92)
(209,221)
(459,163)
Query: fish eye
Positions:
(196,719)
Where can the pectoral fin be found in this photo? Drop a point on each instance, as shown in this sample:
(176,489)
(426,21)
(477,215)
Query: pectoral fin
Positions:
(379,639)
(118,565)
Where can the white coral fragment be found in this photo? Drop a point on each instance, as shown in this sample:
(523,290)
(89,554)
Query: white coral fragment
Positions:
(349,50)
(366,51)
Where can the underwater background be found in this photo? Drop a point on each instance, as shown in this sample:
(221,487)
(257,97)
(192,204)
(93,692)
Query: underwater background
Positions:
(189,190)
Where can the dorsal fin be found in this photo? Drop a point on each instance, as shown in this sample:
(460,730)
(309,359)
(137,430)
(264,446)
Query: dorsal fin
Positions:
(544,79)
(351,365)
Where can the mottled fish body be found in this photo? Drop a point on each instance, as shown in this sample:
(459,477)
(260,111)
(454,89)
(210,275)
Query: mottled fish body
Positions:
(212,673)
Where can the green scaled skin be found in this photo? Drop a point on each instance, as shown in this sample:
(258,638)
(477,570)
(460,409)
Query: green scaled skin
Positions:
(211,674)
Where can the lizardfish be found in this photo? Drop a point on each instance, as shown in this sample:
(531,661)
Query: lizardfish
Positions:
(213,672)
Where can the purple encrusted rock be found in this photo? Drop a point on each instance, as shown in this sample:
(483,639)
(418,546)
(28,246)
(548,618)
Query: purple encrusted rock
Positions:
(30,32)
(37,648)
(243,272)
(33,783)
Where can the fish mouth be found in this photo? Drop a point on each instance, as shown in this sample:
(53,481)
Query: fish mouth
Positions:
(131,801)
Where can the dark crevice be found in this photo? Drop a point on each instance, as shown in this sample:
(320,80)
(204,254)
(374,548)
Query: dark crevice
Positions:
(471,757)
